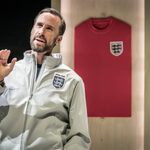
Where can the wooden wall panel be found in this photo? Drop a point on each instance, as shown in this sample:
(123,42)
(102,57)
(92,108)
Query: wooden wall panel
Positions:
(147,76)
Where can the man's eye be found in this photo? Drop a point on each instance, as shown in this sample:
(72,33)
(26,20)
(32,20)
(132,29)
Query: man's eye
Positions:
(49,28)
(39,25)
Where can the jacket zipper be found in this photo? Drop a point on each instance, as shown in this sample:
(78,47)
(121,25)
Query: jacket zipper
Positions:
(33,80)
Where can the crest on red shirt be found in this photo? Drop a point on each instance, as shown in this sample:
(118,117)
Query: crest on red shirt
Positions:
(116,48)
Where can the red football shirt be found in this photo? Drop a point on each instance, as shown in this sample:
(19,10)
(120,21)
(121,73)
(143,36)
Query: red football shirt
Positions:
(103,60)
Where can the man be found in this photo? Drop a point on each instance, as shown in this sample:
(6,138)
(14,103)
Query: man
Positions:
(42,101)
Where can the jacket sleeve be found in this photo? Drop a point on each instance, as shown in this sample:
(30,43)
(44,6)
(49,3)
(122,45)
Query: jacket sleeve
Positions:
(2,89)
(78,136)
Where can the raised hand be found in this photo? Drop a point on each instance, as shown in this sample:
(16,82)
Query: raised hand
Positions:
(5,68)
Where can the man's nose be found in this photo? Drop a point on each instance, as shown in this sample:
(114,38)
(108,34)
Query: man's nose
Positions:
(41,30)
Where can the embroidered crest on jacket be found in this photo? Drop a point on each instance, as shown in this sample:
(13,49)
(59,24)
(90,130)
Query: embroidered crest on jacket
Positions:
(58,80)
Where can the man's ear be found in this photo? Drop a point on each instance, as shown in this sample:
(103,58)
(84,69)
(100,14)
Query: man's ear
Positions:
(59,38)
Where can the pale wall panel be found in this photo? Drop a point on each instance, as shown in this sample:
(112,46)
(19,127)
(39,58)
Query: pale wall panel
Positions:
(112,133)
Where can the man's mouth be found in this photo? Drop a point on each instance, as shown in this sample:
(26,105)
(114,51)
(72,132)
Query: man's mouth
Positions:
(39,40)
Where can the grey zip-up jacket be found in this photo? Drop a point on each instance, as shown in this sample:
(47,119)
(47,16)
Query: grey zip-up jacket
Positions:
(43,113)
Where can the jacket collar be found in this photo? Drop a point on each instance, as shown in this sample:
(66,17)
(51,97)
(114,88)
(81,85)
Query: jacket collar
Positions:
(50,61)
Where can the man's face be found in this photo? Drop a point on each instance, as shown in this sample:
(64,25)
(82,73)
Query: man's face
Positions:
(45,33)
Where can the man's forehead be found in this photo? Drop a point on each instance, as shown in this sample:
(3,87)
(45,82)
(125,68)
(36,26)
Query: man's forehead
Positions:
(48,17)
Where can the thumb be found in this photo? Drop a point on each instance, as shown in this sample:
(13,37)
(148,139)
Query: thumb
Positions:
(12,64)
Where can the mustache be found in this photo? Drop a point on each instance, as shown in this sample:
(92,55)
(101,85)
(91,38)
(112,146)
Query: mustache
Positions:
(41,37)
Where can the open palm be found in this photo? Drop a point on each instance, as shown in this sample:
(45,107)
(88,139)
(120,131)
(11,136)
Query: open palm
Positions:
(5,68)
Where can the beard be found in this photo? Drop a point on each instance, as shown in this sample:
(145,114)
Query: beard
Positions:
(45,47)
(41,49)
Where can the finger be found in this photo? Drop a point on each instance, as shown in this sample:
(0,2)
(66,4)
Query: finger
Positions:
(1,51)
(12,64)
(4,54)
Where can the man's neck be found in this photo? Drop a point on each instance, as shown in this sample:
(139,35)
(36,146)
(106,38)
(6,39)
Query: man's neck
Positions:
(40,58)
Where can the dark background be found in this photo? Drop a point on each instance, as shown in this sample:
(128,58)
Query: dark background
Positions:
(16,20)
